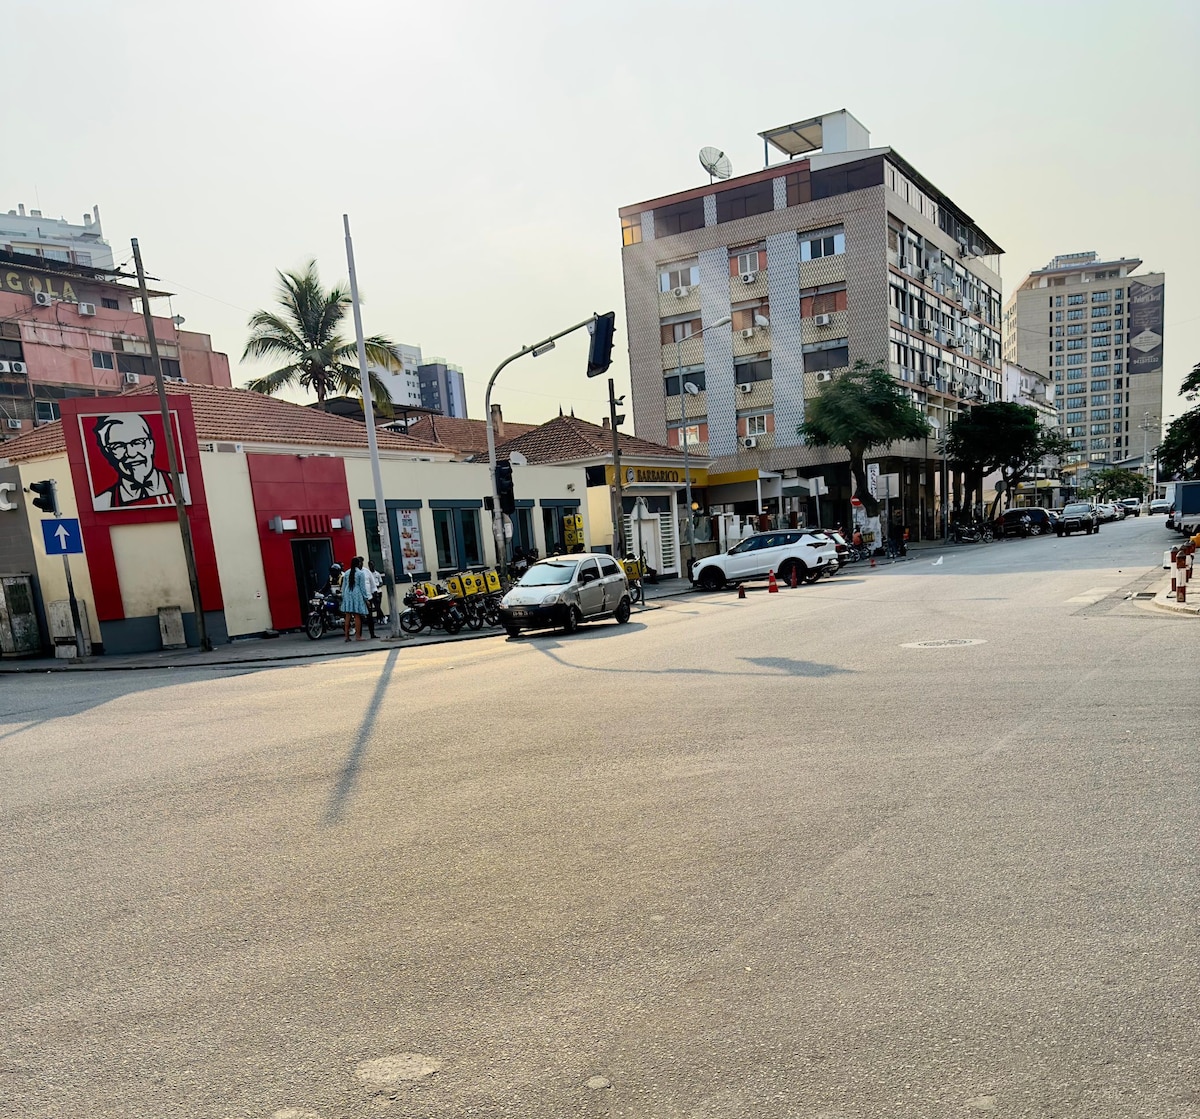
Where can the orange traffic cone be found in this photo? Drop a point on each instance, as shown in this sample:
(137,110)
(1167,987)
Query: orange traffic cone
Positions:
(772,586)
(872,561)
(795,578)
(741,590)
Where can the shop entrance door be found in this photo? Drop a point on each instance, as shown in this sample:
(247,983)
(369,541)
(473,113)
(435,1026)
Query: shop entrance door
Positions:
(311,560)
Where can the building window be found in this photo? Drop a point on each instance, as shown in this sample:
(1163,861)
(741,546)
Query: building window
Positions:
(1100,401)
(1074,300)
(1074,417)
(1076,328)
(824,356)
(45,411)
(747,372)
(678,276)
(1074,315)
(1100,312)
(1077,401)
(10,350)
(1076,359)
(746,201)
(102,360)
(110,304)
(1099,355)
(523,529)
(825,242)
(799,188)
(1099,386)
(745,263)
(693,376)
(678,331)
(744,317)
(135,363)
(680,218)
(756,425)
(1058,301)
(458,541)
(1076,343)
(631,230)
(1101,296)
(1100,414)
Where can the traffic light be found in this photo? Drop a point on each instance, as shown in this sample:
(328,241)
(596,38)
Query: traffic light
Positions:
(504,487)
(47,496)
(600,351)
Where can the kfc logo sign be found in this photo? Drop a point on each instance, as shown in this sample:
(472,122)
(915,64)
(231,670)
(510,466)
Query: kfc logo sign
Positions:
(127,460)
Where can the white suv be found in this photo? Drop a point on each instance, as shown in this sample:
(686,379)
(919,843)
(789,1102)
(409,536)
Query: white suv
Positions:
(808,554)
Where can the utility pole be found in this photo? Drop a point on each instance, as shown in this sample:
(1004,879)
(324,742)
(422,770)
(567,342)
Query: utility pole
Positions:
(381,517)
(185,531)
(1146,425)
(618,496)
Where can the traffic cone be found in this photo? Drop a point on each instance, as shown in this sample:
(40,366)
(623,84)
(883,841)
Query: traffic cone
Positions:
(795,577)
(772,586)
(872,561)
(741,590)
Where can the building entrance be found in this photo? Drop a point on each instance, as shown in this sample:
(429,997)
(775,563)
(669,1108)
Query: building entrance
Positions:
(311,560)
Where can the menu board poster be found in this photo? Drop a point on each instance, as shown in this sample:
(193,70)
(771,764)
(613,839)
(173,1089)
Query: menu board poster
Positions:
(412,554)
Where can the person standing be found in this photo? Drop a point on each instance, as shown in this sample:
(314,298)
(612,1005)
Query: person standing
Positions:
(374,583)
(354,596)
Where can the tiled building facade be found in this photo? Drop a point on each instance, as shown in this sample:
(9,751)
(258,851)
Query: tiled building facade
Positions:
(819,262)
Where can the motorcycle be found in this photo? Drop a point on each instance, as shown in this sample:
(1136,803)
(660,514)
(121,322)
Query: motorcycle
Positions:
(443,612)
(980,532)
(324,614)
(481,610)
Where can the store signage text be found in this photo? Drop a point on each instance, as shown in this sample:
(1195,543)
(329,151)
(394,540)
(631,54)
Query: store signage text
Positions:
(31,285)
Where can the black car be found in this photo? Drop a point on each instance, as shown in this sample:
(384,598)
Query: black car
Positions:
(1024,522)
(1079,516)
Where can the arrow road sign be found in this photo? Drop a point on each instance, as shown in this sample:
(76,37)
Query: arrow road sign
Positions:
(62,536)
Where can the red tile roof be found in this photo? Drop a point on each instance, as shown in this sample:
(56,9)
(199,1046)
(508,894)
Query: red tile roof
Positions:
(568,439)
(465,436)
(241,416)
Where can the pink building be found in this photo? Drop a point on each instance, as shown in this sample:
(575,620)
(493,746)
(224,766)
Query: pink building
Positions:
(68,330)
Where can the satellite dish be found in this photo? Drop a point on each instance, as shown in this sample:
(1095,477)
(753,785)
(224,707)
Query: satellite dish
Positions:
(716,163)
(690,389)
(518,459)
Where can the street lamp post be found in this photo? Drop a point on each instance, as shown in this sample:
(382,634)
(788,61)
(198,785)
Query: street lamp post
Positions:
(684,392)
(1146,424)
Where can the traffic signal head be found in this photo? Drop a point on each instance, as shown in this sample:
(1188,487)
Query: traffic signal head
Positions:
(504,487)
(600,351)
(47,496)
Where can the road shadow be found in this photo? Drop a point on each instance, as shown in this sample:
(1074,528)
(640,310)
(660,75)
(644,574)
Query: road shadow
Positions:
(348,776)
(786,666)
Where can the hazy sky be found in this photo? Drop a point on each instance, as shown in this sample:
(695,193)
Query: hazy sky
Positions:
(482,149)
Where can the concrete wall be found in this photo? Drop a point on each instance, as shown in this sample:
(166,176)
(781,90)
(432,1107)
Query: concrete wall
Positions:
(235,538)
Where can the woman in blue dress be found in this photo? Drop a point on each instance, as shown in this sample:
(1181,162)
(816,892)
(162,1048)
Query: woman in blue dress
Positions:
(354,597)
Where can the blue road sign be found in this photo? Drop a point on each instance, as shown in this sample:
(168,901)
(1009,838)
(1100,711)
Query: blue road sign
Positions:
(62,536)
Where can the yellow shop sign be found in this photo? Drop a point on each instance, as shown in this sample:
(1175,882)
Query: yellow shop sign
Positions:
(657,475)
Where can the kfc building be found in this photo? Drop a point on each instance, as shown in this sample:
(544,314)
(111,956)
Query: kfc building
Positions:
(274,494)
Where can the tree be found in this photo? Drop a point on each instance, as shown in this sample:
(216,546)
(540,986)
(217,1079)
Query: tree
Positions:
(860,410)
(304,333)
(1001,436)
(1117,482)
(1179,452)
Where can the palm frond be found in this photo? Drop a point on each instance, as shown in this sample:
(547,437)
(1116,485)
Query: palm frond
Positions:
(271,383)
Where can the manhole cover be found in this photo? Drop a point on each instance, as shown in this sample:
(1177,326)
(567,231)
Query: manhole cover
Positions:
(942,643)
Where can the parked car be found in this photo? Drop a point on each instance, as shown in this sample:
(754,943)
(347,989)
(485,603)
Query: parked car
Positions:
(1160,505)
(1079,516)
(563,591)
(808,553)
(1106,511)
(1132,505)
(1024,522)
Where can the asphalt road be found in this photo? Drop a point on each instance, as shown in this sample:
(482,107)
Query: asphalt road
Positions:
(761,858)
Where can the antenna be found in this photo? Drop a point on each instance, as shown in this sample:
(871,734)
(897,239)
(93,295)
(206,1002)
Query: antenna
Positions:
(716,163)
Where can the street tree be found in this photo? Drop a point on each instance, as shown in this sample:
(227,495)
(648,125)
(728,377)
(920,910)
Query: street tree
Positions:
(1117,482)
(304,333)
(1179,452)
(861,410)
(1002,436)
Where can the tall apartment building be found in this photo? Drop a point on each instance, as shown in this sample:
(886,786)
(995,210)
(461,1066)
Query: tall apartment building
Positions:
(845,252)
(33,234)
(442,388)
(1097,329)
(403,384)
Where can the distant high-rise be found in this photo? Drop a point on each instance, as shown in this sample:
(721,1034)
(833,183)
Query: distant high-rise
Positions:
(32,234)
(442,388)
(403,384)
(1096,327)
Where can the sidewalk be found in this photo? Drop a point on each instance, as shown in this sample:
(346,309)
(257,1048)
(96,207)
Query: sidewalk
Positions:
(252,651)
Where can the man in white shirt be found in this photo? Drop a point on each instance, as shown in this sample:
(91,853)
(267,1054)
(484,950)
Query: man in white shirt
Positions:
(374,591)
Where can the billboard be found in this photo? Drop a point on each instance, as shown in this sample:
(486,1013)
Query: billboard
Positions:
(126,458)
(1145,327)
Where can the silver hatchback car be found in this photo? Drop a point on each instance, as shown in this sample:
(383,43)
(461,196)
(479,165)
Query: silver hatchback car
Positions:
(563,591)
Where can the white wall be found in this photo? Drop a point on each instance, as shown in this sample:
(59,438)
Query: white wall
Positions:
(235,540)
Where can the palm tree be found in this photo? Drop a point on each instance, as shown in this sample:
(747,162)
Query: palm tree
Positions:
(304,333)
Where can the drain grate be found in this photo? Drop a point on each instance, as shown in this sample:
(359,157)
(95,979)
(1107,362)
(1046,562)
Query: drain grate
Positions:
(1144,594)
(943,643)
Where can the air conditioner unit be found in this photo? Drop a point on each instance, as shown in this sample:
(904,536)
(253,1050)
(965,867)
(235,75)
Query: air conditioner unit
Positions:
(681,292)
(955,293)
(822,320)
(746,387)
(6,366)
(824,375)
(42,298)
(749,442)
(749,277)
(130,378)
(927,379)
(748,332)
(925,326)
(14,425)
(86,308)
(18,367)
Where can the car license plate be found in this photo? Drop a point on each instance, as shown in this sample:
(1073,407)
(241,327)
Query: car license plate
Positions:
(519,612)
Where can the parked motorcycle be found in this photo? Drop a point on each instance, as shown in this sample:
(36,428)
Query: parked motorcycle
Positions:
(979,532)
(481,610)
(443,612)
(324,614)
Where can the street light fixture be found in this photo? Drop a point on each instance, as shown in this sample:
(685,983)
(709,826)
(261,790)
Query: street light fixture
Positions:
(686,390)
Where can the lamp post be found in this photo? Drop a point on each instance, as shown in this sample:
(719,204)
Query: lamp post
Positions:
(684,392)
(1146,424)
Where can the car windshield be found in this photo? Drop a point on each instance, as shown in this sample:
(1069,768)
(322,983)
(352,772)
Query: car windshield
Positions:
(1080,508)
(549,574)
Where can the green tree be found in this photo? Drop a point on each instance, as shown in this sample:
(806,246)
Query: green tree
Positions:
(860,410)
(304,332)
(1002,436)
(1179,452)
(1117,482)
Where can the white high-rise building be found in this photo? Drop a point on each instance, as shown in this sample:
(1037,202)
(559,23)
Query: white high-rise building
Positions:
(33,234)
(403,385)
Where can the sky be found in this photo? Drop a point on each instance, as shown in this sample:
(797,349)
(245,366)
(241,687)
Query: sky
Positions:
(482,150)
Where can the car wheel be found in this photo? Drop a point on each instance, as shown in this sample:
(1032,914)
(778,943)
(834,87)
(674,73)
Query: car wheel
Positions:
(512,631)
(1035,530)
(711,579)
(785,573)
(571,621)
(1059,534)
(811,576)
(621,613)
